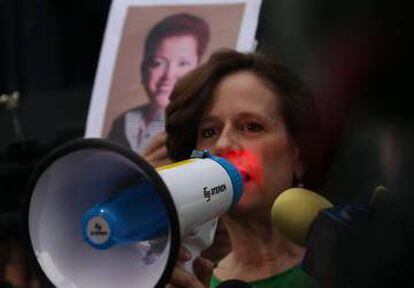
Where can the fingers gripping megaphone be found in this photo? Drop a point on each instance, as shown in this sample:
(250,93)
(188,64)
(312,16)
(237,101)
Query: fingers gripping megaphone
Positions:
(98,215)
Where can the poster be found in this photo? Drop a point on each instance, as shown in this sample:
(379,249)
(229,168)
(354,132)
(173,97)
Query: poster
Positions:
(147,47)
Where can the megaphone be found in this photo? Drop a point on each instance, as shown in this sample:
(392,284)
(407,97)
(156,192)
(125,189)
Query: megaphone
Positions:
(99,215)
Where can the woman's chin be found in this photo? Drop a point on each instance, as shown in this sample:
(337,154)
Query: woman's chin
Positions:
(163,99)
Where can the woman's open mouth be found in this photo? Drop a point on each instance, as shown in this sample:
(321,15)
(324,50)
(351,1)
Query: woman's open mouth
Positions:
(245,162)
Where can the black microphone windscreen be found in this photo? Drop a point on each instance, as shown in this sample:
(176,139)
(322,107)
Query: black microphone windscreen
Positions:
(233,284)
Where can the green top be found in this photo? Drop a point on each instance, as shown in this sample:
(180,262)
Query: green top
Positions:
(292,278)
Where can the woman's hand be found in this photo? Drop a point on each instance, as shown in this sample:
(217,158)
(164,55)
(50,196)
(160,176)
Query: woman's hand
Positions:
(181,278)
(156,153)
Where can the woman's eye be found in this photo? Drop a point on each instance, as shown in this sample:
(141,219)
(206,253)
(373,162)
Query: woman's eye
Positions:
(207,132)
(252,127)
(156,63)
(183,63)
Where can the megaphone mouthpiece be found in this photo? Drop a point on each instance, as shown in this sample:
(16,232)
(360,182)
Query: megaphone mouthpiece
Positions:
(246,162)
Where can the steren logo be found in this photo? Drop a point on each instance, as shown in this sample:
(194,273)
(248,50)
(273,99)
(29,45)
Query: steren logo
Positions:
(98,230)
(213,191)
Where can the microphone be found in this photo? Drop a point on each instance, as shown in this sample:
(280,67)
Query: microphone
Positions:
(310,220)
(233,284)
(294,210)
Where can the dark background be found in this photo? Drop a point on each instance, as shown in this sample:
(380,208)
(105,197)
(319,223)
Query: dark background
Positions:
(355,55)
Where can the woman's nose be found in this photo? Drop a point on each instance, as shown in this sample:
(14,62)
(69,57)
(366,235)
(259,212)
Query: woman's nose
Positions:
(228,141)
(171,72)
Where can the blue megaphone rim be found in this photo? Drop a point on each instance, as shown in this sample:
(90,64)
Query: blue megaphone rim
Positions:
(104,144)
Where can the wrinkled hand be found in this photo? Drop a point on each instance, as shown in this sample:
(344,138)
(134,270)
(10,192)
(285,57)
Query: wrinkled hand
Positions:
(156,153)
(182,278)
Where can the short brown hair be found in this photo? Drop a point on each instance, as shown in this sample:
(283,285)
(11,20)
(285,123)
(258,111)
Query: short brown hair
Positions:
(175,25)
(193,95)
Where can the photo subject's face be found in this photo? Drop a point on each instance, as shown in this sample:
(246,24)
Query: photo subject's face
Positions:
(174,57)
(245,126)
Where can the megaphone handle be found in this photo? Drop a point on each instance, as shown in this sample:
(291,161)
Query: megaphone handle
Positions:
(199,240)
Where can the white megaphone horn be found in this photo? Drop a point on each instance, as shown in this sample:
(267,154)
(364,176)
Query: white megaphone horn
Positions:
(98,215)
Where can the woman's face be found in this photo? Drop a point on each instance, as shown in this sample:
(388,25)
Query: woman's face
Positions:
(174,56)
(244,124)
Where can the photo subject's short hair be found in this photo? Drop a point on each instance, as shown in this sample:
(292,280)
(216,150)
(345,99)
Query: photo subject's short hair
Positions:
(177,25)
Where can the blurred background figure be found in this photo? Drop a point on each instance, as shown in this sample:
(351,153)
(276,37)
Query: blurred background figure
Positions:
(173,47)
(15,269)
(355,56)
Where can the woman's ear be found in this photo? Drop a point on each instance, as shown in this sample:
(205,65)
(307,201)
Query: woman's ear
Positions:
(144,73)
(299,165)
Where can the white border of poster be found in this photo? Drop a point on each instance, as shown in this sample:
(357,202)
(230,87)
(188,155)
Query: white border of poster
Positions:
(96,116)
